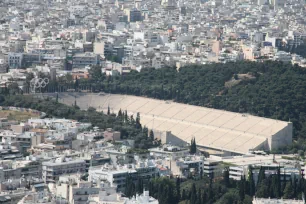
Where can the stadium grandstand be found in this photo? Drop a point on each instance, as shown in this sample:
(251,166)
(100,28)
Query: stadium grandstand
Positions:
(234,133)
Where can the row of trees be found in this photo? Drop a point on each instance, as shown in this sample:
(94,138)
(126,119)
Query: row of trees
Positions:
(220,190)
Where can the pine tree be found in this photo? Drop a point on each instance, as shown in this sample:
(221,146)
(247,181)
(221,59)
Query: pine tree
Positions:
(108,110)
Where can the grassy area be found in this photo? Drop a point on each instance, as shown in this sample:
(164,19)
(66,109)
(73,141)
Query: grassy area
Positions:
(16,115)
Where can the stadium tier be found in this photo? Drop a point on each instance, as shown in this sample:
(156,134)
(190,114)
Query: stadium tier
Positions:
(215,129)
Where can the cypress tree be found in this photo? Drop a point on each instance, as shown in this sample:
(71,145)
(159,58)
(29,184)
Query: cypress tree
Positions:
(274,187)
(210,191)
(120,113)
(126,117)
(226,179)
(193,196)
(138,125)
(251,182)
(108,110)
(279,184)
(261,175)
(241,188)
(199,197)
(132,121)
(294,187)
(289,192)
(151,135)
(178,188)
(76,83)
(193,146)
(56,100)
(139,186)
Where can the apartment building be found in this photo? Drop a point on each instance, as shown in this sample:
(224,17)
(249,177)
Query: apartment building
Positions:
(53,169)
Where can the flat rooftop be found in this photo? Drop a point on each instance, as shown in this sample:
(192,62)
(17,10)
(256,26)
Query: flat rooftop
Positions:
(217,129)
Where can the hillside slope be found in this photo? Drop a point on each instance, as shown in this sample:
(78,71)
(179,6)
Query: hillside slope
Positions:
(272,89)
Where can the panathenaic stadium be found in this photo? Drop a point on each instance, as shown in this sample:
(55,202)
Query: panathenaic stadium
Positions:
(216,130)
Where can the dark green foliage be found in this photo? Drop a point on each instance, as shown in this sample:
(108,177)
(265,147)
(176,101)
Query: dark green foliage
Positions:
(193,195)
(151,135)
(164,190)
(178,188)
(289,191)
(130,189)
(207,190)
(272,89)
(226,178)
(251,182)
(261,175)
(56,100)
(193,146)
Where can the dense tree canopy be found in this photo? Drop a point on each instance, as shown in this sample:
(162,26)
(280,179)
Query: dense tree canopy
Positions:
(270,89)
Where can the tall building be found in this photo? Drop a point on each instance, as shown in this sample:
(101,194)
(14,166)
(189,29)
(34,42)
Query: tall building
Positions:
(134,15)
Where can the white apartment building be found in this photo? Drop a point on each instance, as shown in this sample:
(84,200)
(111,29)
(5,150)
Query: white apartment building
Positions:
(107,195)
(283,56)
(168,151)
(211,168)
(53,169)
(237,172)
(115,176)
(79,194)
